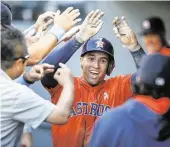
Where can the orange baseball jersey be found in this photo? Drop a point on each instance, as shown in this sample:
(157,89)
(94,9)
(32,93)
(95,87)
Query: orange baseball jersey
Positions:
(90,103)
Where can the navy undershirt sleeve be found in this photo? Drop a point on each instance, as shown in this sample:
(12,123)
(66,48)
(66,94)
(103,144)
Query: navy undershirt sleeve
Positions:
(137,56)
(59,54)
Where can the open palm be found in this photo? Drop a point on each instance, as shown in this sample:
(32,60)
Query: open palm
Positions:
(91,25)
(124,33)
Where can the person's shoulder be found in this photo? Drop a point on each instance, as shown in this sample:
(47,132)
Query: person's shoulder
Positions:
(13,88)
(11,84)
(21,88)
(119,78)
(77,80)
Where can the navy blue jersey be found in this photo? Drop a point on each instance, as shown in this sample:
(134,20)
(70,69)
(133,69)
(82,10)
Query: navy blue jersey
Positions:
(132,124)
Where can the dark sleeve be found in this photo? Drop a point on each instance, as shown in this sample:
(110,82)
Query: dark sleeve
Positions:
(59,54)
(137,56)
(133,81)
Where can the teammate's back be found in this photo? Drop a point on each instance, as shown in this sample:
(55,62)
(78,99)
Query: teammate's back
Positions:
(135,125)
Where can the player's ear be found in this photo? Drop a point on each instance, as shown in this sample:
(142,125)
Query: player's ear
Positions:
(81,61)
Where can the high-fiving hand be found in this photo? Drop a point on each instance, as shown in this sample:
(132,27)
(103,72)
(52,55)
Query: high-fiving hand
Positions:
(37,72)
(64,76)
(91,25)
(67,19)
(123,31)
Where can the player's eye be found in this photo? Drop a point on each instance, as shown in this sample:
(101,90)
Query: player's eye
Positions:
(91,59)
(103,61)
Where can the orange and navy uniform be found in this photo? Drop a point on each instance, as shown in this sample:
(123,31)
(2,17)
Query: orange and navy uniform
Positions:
(165,51)
(159,106)
(90,103)
(135,123)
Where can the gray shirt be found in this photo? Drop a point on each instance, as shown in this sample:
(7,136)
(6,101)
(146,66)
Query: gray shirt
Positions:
(19,105)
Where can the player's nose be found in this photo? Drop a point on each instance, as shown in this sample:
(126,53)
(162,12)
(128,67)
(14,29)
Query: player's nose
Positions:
(96,64)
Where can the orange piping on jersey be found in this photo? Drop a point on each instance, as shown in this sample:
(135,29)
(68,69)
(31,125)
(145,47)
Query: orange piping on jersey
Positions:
(160,106)
(165,51)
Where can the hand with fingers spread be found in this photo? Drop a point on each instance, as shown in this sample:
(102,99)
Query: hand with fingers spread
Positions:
(91,25)
(37,72)
(64,76)
(44,20)
(33,34)
(126,35)
(67,19)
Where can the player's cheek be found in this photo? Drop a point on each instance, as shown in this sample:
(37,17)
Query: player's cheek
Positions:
(104,70)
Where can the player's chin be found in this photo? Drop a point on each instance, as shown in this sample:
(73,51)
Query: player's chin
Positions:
(93,82)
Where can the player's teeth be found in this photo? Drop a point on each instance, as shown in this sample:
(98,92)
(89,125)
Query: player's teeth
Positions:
(94,72)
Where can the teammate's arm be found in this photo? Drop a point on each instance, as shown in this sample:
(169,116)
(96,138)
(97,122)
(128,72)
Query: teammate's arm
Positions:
(36,73)
(63,105)
(128,38)
(137,56)
(62,23)
(90,26)
(36,31)
(42,23)
(31,109)
(59,54)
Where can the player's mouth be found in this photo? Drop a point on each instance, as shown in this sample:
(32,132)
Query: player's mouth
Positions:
(94,74)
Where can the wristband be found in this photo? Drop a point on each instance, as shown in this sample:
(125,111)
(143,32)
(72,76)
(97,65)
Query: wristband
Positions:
(79,39)
(27,81)
(134,49)
(57,32)
(27,129)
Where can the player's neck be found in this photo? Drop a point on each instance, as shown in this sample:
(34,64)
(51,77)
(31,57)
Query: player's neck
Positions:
(91,85)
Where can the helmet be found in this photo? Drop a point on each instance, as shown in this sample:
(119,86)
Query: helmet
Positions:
(153,25)
(149,80)
(6,15)
(100,45)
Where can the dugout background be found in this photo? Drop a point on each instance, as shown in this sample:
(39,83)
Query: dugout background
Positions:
(26,12)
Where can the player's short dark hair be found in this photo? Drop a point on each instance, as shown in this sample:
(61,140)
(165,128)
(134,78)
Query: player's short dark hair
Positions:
(13,46)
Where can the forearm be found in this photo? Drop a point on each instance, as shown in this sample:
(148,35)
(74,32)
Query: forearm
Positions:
(66,99)
(26,140)
(137,56)
(30,31)
(41,48)
(62,54)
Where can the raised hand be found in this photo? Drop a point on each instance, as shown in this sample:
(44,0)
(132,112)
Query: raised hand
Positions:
(91,25)
(123,31)
(67,19)
(64,76)
(44,20)
(37,72)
